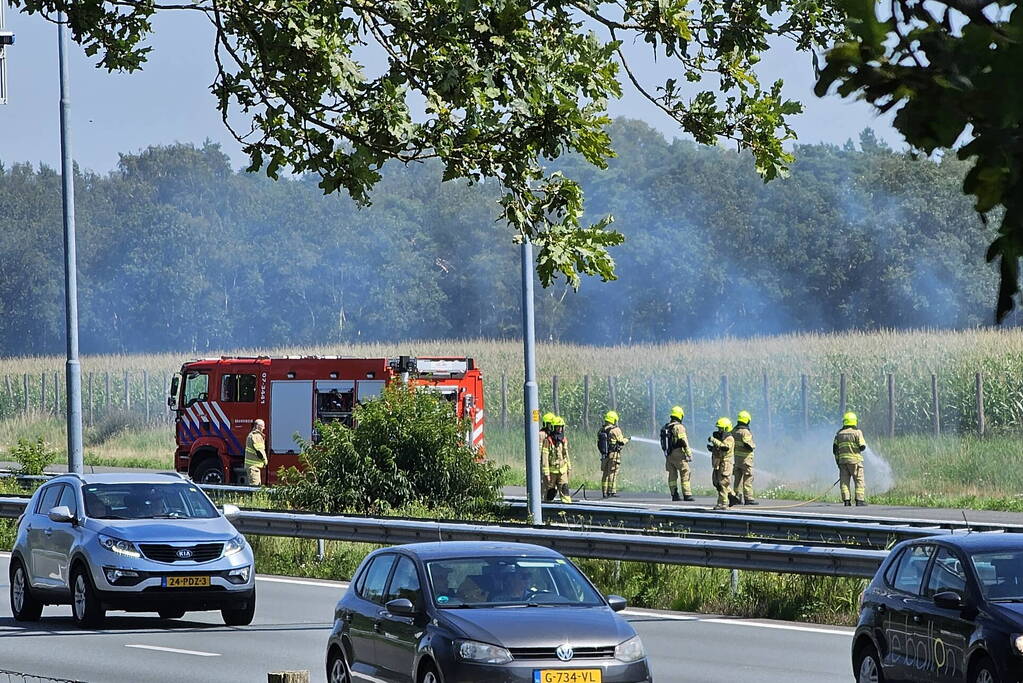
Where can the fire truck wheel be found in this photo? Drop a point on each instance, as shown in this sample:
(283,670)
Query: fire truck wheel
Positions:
(209,471)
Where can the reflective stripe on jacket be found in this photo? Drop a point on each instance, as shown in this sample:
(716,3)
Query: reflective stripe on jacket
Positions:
(255,449)
(849,445)
(744,445)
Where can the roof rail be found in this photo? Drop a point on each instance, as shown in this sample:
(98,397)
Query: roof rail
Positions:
(179,475)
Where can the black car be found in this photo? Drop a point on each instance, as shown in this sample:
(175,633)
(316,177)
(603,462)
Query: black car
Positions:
(480,612)
(943,609)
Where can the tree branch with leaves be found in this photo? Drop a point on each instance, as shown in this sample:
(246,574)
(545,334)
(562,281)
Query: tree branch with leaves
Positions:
(500,89)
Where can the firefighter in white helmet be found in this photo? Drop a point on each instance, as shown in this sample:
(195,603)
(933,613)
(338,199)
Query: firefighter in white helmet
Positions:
(255,453)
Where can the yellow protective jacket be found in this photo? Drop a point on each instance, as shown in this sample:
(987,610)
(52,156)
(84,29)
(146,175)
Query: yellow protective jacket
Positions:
(616,439)
(849,445)
(744,445)
(721,446)
(255,449)
(554,456)
(677,433)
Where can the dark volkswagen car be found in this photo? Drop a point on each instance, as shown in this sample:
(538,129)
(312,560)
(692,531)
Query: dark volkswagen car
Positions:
(480,613)
(944,609)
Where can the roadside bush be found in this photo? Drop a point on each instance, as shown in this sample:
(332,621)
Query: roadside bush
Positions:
(33,456)
(109,426)
(407,448)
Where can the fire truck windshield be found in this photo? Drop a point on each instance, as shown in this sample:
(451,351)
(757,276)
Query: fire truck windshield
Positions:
(196,388)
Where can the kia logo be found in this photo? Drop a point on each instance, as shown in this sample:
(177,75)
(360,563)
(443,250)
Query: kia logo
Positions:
(564,653)
(185,553)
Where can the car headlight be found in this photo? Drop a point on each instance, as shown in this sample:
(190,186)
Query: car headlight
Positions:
(235,545)
(1017,643)
(472,651)
(119,546)
(631,650)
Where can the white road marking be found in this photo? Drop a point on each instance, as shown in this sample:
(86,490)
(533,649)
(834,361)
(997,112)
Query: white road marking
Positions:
(175,650)
(303,582)
(735,622)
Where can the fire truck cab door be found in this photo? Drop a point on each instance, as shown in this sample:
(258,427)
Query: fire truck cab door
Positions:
(291,412)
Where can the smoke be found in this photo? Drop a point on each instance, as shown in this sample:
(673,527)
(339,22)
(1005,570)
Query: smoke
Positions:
(802,463)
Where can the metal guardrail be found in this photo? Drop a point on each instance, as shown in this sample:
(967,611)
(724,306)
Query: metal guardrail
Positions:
(757,556)
(805,529)
(727,554)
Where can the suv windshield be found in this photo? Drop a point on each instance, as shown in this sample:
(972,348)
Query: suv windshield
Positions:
(509,581)
(147,501)
(1000,574)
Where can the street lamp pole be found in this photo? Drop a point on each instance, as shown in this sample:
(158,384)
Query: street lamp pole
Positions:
(74,369)
(531,398)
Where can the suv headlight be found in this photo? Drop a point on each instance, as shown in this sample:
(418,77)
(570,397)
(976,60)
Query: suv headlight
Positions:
(473,651)
(235,545)
(1017,643)
(119,546)
(630,651)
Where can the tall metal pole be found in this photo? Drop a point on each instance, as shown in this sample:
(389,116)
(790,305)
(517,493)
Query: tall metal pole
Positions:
(74,369)
(531,398)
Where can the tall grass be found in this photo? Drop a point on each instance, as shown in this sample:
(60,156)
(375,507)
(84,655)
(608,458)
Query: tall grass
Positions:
(865,358)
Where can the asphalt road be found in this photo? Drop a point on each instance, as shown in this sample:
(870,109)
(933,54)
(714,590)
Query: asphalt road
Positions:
(293,620)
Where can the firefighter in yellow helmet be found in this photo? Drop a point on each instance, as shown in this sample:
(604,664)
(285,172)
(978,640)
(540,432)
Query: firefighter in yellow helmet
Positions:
(848,450)
(744,448)
(677,455)
(721,446)
(610,441)
(255,453)
(546,427)
(554,462)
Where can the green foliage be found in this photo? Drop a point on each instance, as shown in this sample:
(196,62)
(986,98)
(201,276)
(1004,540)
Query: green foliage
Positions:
(406,447)
(507,86)
(33,456)
(943,67)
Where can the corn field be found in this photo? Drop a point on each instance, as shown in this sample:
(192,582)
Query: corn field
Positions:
(787,382)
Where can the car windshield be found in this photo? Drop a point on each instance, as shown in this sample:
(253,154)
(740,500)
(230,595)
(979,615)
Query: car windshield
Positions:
(1000,575)
(508,582)
(147,501)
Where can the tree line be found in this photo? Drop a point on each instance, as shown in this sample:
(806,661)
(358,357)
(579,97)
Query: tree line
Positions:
(178,251)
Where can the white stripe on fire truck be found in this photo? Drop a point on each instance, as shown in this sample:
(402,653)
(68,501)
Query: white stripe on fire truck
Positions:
(225,425)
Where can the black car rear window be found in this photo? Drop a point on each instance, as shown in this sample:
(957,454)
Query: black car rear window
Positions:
(1000,574)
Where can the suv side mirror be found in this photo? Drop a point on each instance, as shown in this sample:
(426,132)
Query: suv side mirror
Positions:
(617,603)
(61,514)
(231,512)
(949,600)
(402,607)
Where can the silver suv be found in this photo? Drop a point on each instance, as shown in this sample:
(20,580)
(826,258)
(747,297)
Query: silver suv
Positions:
(133,542)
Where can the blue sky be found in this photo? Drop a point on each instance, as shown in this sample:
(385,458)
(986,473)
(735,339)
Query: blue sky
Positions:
(170,100)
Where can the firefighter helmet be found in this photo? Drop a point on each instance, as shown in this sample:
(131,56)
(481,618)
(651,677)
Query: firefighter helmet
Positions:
(548,418)
(611,417)
(849,419)
(744,417)
(677,412)
(724,424)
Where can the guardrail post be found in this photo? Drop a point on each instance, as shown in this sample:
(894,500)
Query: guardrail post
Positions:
(320,551)
(804,395)
(586,401)
(891,405)
(935,405)
(734,581)
(504,401)
(288,677)
(554,395)
(980,404)
(842,402)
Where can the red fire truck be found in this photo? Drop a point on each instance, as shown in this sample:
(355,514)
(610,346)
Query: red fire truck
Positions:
(216,401)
